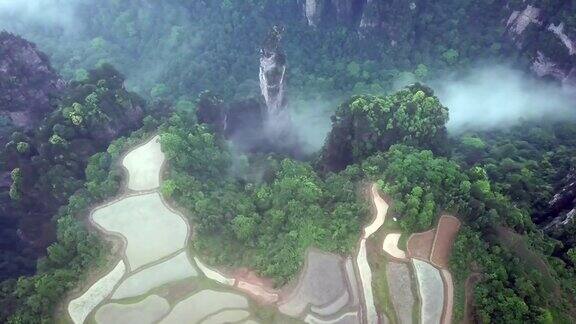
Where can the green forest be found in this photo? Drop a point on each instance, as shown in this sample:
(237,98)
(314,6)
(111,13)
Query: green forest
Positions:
(188,71)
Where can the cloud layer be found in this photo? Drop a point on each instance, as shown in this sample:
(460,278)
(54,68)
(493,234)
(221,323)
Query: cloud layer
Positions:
(16,14)
(499,96)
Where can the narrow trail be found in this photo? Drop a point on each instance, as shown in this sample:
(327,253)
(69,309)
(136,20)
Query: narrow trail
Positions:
(365,273)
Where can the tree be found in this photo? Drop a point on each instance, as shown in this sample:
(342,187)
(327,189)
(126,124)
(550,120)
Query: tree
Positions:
(244,227)
(367,124)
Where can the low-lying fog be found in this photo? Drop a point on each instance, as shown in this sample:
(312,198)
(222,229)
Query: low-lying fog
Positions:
(16,15)
(500,96)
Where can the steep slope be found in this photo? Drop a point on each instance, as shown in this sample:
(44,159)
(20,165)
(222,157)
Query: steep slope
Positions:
(51,130)
(27,84)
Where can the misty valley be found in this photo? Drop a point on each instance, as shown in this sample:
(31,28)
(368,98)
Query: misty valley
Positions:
(304,161)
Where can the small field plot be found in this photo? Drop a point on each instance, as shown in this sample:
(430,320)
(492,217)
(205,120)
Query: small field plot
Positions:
(203,304)
(144,164)
(80,307)
(431,290)
(227,316)
(347,318)
(420,245)
(390,246)
(147,311)
(448,228)
(323,285)
(171,270)
(152,231)
(400,283)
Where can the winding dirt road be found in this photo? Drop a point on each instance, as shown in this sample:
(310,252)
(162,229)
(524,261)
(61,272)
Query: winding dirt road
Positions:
(364,271)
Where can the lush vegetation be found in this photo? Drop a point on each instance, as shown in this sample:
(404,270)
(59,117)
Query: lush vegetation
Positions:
(257,211)
(214,42)
(58,173)
(264,210)
(33,299)
(367,124)
(518,285)
(47,166)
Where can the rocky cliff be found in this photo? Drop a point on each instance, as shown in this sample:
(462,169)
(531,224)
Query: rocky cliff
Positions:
(559,220)
(50,129)
(546,35)
(27,82)
(542,37)
(273,72)
(344,11)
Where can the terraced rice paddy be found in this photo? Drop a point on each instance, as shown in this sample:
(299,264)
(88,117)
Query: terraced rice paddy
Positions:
(420,245)
(364,271)
(213,275)
(157,281)
(448,295)
(154,240)
(323,288)
(203,304)
(144,164)
(448,227)
(174,269)
(80,307)
(400,283)
(381,210)
(365,274)
(227,316)
(147,311)
(151,230)
(431,290)
(348,318)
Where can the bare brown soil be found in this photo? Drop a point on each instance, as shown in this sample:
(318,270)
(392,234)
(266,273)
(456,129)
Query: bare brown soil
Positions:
(260,289)
(446,232)
(448,296)
(419,245)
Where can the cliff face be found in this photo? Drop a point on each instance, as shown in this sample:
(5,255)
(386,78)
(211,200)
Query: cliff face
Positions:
(27,82)
(542,37)
(344,11)
(273,72)
(48,131)
(560,220)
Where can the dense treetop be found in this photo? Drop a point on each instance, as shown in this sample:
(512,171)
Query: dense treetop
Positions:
(367,124)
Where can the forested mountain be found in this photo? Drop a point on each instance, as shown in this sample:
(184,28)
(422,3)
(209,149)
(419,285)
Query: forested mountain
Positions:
(52,128)
(332,45)
(273,115)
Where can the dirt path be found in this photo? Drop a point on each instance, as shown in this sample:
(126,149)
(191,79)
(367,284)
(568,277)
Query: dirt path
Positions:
(381,210)
(364,271)
(449,296)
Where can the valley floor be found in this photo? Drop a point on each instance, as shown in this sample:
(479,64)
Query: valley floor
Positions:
(159,280)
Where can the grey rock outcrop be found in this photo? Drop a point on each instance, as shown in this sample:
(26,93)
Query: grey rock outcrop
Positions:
(273,72)
(562,207)
(27,82)
(544,38)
